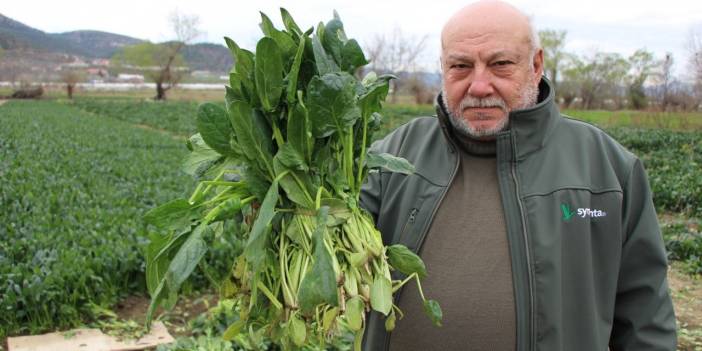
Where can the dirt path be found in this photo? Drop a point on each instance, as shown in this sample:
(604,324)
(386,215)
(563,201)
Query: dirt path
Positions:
(2,101)
(687,297)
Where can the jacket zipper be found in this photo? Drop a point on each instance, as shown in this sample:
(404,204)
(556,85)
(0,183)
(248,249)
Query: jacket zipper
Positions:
(412,217)
(530,273)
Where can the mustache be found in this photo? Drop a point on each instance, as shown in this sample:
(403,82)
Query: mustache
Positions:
(489,102)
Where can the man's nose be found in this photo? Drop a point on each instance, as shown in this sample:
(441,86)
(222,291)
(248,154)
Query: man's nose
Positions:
(481,86)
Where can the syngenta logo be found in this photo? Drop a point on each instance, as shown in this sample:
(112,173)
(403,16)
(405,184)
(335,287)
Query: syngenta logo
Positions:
(581,212)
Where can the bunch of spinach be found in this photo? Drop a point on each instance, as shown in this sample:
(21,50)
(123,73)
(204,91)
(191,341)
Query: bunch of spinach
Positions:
(282,169)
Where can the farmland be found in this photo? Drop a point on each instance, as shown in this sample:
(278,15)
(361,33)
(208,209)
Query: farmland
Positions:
(76,178)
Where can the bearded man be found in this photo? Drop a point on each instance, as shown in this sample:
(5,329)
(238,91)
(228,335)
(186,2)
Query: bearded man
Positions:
(538,231)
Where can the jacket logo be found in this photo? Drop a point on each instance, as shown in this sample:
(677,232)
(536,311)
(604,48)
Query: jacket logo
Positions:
(581,212)
(567,213)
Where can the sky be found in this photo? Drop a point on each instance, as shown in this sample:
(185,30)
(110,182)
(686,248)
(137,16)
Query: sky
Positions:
(620,26)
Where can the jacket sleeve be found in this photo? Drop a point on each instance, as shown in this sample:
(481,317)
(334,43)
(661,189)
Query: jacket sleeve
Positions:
(643,313)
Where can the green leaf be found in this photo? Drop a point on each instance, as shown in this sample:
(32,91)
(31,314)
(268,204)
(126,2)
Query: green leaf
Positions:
(381,295)
(298,130)
(201,158)
(156,267)
(295,71)
(233,330)
(389,162)
(352,56)
(324,63)
(214,127)
(187,258)
(406,261)
(257,243)
(244,67)
(331,103)
(433,311)
(390,322)
(354,313)
(284,40)
(256,182)
(291,158)
(254,144)
(375,93)
(233,47)
(234,92)
(334,39)
(319,284)
(289,23)
(269,73)
(174,214)
(294,191)
(329,317)
(297,330)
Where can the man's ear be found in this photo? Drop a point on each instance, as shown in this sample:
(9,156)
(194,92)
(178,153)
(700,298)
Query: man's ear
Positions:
(538,65)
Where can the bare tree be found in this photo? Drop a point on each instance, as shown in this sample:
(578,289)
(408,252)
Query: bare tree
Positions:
(665,80)
(397,54)
(71,77)
(695,64)
(162,63)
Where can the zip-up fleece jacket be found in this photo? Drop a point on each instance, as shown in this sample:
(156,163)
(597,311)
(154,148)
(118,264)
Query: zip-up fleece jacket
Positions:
(588,261)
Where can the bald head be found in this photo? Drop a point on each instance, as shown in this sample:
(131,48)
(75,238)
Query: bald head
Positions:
(489,16)
(491,64)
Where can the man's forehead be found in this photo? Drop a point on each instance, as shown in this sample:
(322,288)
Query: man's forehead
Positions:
(486,20)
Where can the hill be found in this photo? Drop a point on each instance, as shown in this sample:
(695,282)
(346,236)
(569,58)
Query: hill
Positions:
(91,44)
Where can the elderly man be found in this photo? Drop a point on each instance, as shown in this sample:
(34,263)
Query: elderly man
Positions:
(538,231)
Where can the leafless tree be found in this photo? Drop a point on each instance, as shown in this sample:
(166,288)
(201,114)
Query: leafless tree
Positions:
(71,77)
(397,53)
(695,64)
(665,80)
(162,63)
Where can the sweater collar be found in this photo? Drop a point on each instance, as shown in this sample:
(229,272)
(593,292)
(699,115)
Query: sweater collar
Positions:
(529,127)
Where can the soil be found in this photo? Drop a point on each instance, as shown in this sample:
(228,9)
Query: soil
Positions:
(188,308)
(687,297)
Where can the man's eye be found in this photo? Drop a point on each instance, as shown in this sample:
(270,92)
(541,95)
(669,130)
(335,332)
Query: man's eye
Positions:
(459,65)
(502,63)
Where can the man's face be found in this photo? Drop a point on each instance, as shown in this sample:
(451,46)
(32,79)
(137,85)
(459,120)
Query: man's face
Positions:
(486,74)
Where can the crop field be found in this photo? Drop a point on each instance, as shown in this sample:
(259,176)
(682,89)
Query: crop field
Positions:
(76,178)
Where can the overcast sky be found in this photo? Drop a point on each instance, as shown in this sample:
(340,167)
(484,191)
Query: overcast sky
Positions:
(604,25)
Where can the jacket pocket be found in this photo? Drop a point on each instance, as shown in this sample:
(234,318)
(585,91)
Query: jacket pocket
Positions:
(410,233)
(575,238)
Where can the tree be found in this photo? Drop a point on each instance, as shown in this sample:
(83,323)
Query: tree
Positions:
(642,65)
(553,42)
(665,80)
(695,48)
(162,63)
(599,77)
(397,54)
(71,77)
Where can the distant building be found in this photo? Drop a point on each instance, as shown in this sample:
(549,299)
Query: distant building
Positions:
(130,78)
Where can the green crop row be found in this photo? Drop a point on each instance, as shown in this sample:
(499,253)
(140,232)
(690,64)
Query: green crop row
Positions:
(177,117)
(73,189)
(673,161)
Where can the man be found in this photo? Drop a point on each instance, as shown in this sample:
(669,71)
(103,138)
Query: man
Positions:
(538,231)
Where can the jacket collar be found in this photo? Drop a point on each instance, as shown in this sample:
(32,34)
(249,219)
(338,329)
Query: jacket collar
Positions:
(528,128)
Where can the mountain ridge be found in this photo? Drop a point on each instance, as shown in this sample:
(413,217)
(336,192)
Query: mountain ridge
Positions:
(95,44)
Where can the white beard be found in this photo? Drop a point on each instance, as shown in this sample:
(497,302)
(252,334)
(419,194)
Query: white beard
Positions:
(527,99)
